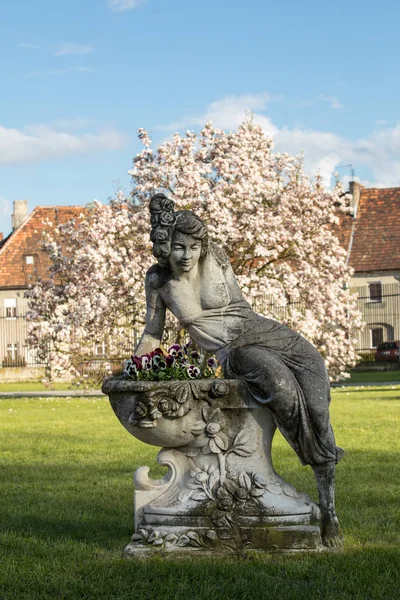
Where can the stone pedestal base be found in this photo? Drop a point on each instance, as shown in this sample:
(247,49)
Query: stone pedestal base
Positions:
(221,493)
(289,538)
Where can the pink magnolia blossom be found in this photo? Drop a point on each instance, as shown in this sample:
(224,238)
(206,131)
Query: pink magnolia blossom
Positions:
(272,220)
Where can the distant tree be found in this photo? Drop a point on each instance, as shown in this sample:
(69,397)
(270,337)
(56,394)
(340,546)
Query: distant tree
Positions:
(275,223)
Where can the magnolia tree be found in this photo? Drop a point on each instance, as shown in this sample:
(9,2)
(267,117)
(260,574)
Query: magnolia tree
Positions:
(94,295)
(275,224)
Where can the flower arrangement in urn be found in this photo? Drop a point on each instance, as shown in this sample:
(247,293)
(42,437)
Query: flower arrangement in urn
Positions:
(179,363)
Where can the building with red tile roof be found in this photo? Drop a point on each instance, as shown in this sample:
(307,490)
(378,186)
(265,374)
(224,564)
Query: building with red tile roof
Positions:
(371,235)
(21,259)
(372,232)
(22,262)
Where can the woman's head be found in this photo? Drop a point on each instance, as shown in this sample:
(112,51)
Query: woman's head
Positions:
(181,229)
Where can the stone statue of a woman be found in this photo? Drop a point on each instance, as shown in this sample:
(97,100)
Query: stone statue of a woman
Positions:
(280,369)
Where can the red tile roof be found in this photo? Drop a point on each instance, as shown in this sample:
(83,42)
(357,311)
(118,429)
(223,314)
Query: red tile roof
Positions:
(26,241)
(376,239)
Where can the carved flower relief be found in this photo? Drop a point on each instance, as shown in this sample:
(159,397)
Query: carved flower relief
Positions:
(156,405)
(159,206)
(247,487)
(144,414)
(198,476)
(200,484)
(179,405)
(167,219)
(219,388)
(162,219)
(209,437)
(172,408)
(162,539)
(234,495)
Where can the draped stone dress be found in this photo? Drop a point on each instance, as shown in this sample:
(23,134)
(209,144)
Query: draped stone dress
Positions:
(280,369)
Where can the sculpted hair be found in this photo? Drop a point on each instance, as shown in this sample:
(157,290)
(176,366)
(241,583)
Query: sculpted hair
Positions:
(188,223)
(165,222)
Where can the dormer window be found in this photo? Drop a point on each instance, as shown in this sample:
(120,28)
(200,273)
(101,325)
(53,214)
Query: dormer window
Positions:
(29,259)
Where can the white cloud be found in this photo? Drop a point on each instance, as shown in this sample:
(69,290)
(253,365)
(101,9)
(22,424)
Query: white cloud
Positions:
(38,143)
(228,113)
(67,48)
(123,5)
(332,101)
(323,151)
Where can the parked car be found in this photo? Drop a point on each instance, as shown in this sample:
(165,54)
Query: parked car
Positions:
(388,352)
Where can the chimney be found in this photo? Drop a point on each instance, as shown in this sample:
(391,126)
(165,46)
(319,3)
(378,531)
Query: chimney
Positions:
(20,212)
(355,191)
(1,236)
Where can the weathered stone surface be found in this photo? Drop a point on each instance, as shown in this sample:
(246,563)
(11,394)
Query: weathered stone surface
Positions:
(217,435)
(221,492)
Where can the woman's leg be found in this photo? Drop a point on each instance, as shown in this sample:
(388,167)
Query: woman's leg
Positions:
(300,405)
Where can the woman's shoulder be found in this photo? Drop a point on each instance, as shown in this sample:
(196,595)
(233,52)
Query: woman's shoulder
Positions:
(219,255)
(157,277)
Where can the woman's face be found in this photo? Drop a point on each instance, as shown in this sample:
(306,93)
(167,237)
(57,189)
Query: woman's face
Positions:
(185,252)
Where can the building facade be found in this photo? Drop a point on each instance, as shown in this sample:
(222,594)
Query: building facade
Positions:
(371,235)
(22,262)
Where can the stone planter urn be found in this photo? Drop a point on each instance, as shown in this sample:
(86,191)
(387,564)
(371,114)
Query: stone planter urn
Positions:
(221,492)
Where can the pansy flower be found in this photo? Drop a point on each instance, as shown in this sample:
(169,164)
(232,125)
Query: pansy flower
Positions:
(180,363)
(130,368)
(169,360)
(174,349)
(158,363)
(193,372)
(136,360)
(157,352)
(212,363)
(146,362)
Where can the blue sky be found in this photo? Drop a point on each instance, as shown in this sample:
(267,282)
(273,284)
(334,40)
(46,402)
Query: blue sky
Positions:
(78,77)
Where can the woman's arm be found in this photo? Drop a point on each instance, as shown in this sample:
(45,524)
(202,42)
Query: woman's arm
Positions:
(155,315)
(223,260)
(233,286)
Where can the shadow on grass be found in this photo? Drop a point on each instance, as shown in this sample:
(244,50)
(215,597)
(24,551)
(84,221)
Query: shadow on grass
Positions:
(365,574)
(64,526)
(93,504)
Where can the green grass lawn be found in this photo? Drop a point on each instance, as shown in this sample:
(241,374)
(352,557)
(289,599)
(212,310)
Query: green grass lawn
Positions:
(374,376)
(356,378)
(66,510)
(32,386)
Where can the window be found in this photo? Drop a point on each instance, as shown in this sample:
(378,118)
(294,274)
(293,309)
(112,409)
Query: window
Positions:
(377,336)
(12,351)
(10,305)
(375,291)
(101,349)
(29,260)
